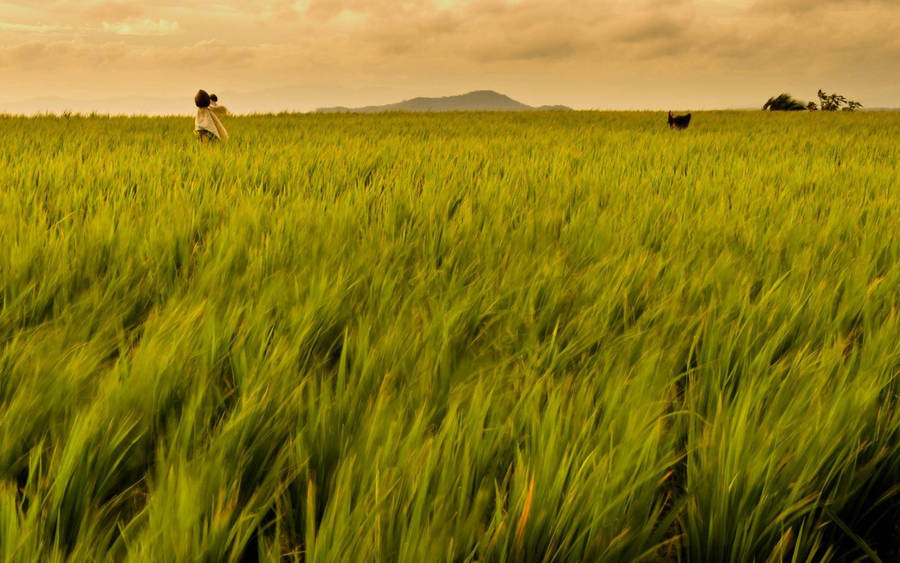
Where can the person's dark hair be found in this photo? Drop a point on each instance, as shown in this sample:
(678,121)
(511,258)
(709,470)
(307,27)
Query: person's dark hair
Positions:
(214,98)
(202,99)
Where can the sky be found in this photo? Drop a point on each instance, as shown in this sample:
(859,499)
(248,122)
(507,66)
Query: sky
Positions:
(128,56)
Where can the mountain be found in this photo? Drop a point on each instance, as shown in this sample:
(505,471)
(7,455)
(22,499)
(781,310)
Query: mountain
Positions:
(481,100)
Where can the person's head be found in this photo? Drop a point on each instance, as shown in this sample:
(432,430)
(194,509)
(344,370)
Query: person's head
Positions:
(214,98)
(202,99)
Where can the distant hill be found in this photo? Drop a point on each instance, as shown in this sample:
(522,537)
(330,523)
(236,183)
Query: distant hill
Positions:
(481,100)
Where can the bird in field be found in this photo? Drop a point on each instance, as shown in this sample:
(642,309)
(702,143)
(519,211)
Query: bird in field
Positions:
(679,121)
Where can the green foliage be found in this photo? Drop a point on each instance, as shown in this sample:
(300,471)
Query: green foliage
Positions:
(784,102)
(835,102)
(456,337)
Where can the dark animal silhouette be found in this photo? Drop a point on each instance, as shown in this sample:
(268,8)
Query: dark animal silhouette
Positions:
(679,121)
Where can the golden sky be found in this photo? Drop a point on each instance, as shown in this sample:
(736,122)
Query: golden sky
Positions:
(265,55)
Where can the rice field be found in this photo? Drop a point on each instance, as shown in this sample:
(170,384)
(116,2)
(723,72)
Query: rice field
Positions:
(531,337)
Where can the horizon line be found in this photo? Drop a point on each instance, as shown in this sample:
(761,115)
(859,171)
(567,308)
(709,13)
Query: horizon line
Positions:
(95,114)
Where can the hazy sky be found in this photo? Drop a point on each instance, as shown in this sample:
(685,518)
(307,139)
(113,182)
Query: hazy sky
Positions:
(262,55)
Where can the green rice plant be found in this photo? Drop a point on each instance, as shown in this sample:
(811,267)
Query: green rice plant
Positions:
(554,336)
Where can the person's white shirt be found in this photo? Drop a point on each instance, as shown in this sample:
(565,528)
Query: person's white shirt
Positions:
(207,120)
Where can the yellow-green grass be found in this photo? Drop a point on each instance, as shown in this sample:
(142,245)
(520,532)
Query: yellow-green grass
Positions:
(457,337)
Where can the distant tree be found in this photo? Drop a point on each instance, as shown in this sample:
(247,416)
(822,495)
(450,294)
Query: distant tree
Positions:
(830,102)
(835,102)
(811,106)
(784,102)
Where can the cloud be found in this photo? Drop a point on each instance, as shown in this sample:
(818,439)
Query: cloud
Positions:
(547,49)
(650,29)
(361,45)
(23,55)
(144,27)
(96,12)
(35,56)
(815,7)
(29,28)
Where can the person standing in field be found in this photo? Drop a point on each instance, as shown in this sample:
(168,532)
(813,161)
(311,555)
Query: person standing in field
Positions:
(207,126)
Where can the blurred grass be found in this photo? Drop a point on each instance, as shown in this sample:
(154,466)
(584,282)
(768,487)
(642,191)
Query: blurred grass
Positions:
(455,337)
